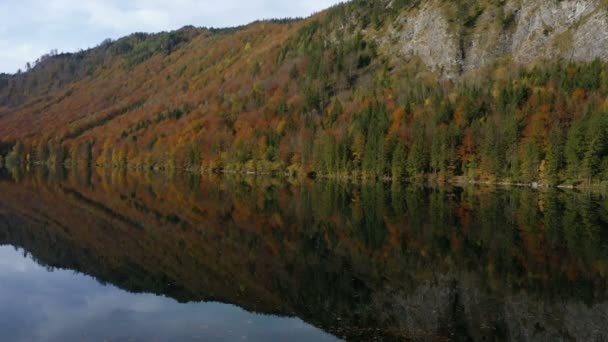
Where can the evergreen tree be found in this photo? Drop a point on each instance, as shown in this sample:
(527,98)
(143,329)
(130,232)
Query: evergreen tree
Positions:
(596,149)
(416,159)
(398,164)
(375,121)
(554,156)
(489,151)
(575,149)
(439,150)
(530,161)
(326,154)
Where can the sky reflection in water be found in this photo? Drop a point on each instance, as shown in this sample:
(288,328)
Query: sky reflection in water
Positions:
(61,305)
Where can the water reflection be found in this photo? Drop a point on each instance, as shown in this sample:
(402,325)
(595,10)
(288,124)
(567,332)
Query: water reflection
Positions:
(358,261)
(38,305)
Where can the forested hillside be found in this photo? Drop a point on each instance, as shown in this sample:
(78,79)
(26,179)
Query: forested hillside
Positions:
(476,90)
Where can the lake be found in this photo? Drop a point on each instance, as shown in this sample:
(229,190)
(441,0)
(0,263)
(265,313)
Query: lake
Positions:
(120,256)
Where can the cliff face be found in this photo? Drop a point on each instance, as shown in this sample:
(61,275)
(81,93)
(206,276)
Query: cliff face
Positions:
(521,31)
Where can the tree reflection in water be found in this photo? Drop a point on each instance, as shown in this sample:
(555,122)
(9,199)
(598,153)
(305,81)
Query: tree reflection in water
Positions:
(357,260)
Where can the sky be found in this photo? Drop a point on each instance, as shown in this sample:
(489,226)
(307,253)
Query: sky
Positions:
(31,28)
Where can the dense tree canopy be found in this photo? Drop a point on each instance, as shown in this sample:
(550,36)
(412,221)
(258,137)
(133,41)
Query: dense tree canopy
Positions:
(307,97)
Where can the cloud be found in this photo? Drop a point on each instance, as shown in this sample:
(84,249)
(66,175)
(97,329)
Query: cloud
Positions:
(33,27)
(38,305)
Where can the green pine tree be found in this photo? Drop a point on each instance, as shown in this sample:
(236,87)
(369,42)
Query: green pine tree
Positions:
(554,157)
(398,163)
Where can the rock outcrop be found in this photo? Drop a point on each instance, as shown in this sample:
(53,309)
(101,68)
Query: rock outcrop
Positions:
(522,31)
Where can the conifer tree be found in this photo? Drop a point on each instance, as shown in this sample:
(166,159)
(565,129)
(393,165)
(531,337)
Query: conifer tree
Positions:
(416,160)
(554,156)
(398,164)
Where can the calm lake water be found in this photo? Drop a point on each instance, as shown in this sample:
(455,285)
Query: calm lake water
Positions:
(143,257)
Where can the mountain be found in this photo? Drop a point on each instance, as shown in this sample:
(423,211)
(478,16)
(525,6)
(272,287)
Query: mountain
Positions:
(478,90)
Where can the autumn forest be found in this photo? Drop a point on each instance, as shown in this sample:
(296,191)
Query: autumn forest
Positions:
(380,170)
(317,97)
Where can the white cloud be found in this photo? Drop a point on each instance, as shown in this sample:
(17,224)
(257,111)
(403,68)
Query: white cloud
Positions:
(29,28)
(37,305)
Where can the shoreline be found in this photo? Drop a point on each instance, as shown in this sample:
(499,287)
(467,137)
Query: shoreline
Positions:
(458,181)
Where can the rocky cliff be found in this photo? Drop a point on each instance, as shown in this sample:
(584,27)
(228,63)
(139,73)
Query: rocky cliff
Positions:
(454,38)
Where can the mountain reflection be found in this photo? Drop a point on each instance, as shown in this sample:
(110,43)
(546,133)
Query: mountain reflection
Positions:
(358,261)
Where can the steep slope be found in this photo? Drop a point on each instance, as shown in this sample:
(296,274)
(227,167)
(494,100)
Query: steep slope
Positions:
(55,71)
(482,89)
(463,36)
